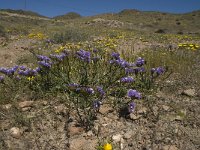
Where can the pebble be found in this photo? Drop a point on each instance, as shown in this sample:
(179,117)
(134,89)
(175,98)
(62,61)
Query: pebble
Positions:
(128,135)
(134,117)
(15,132)
(117,138)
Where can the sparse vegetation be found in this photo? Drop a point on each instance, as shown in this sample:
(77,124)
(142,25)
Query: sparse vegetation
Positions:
(125,86)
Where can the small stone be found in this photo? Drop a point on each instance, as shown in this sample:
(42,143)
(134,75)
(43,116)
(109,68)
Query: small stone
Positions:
(189,92)
(134,117)
(178,118)
(7,106)
(166,108)
(89,133)
(159,94)
(15,132)
(26,108)
(169,147)
(155,110)
(26,104)
(143,110)
(128,135)
(60,109)
(117,138)
(44,103)
(73,130)
(105,109)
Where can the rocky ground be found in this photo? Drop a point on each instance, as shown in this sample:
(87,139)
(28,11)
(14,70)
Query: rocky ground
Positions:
(168,122)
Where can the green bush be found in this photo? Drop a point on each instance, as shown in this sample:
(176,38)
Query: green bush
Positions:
(70,35)
(2,31)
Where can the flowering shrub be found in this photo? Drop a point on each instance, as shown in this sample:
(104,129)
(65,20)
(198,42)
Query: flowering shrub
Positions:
(87,79)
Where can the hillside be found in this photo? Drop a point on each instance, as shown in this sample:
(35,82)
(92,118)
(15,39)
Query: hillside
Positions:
(70,15)
(23,12)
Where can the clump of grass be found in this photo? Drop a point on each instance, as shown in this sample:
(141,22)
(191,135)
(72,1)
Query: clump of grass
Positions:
(70,35)
(2,31)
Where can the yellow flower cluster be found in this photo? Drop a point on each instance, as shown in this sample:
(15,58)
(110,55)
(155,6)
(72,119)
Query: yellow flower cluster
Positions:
(106,43)
(37,36)
(188,46)
(30,78)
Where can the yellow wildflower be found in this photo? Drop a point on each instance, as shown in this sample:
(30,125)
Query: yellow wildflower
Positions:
(31,78)
(107,146)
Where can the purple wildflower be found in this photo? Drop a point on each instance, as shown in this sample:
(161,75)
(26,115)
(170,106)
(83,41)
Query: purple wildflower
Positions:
(127,80)
(115,55)
(122,63)
(38,69)
(84,55)
(131,107)
(43,58)
(22,67)
(140,62)
(153,70)
(17,78)
(129,70)
(134,94)
(139,70)
(3,70)
(90,90)
(100,91)
(45,64)
(9,71)
(58,57)
(73,86)
(158,71)
(28,72)
(95,50)
(96,104)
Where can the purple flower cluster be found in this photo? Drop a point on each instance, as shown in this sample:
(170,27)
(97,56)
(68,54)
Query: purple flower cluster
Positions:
(73,86)
(84,55)
(158,71)
(44,61)
(23,71)
(134,94)
(122,63)
(8,71)
(140,62)
(131,107)
(89,90)
(115,55)
(1,79)
(118,61)
(127,80)
(59,57)
(43,58)
(100,91)
(96,104)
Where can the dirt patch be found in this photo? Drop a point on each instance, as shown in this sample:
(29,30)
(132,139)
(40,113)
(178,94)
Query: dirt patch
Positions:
(13,49)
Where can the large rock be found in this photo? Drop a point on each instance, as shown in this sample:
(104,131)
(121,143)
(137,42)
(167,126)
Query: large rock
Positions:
(26,104)
(189,92)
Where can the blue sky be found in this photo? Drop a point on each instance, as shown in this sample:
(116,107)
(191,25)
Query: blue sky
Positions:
(52,8)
